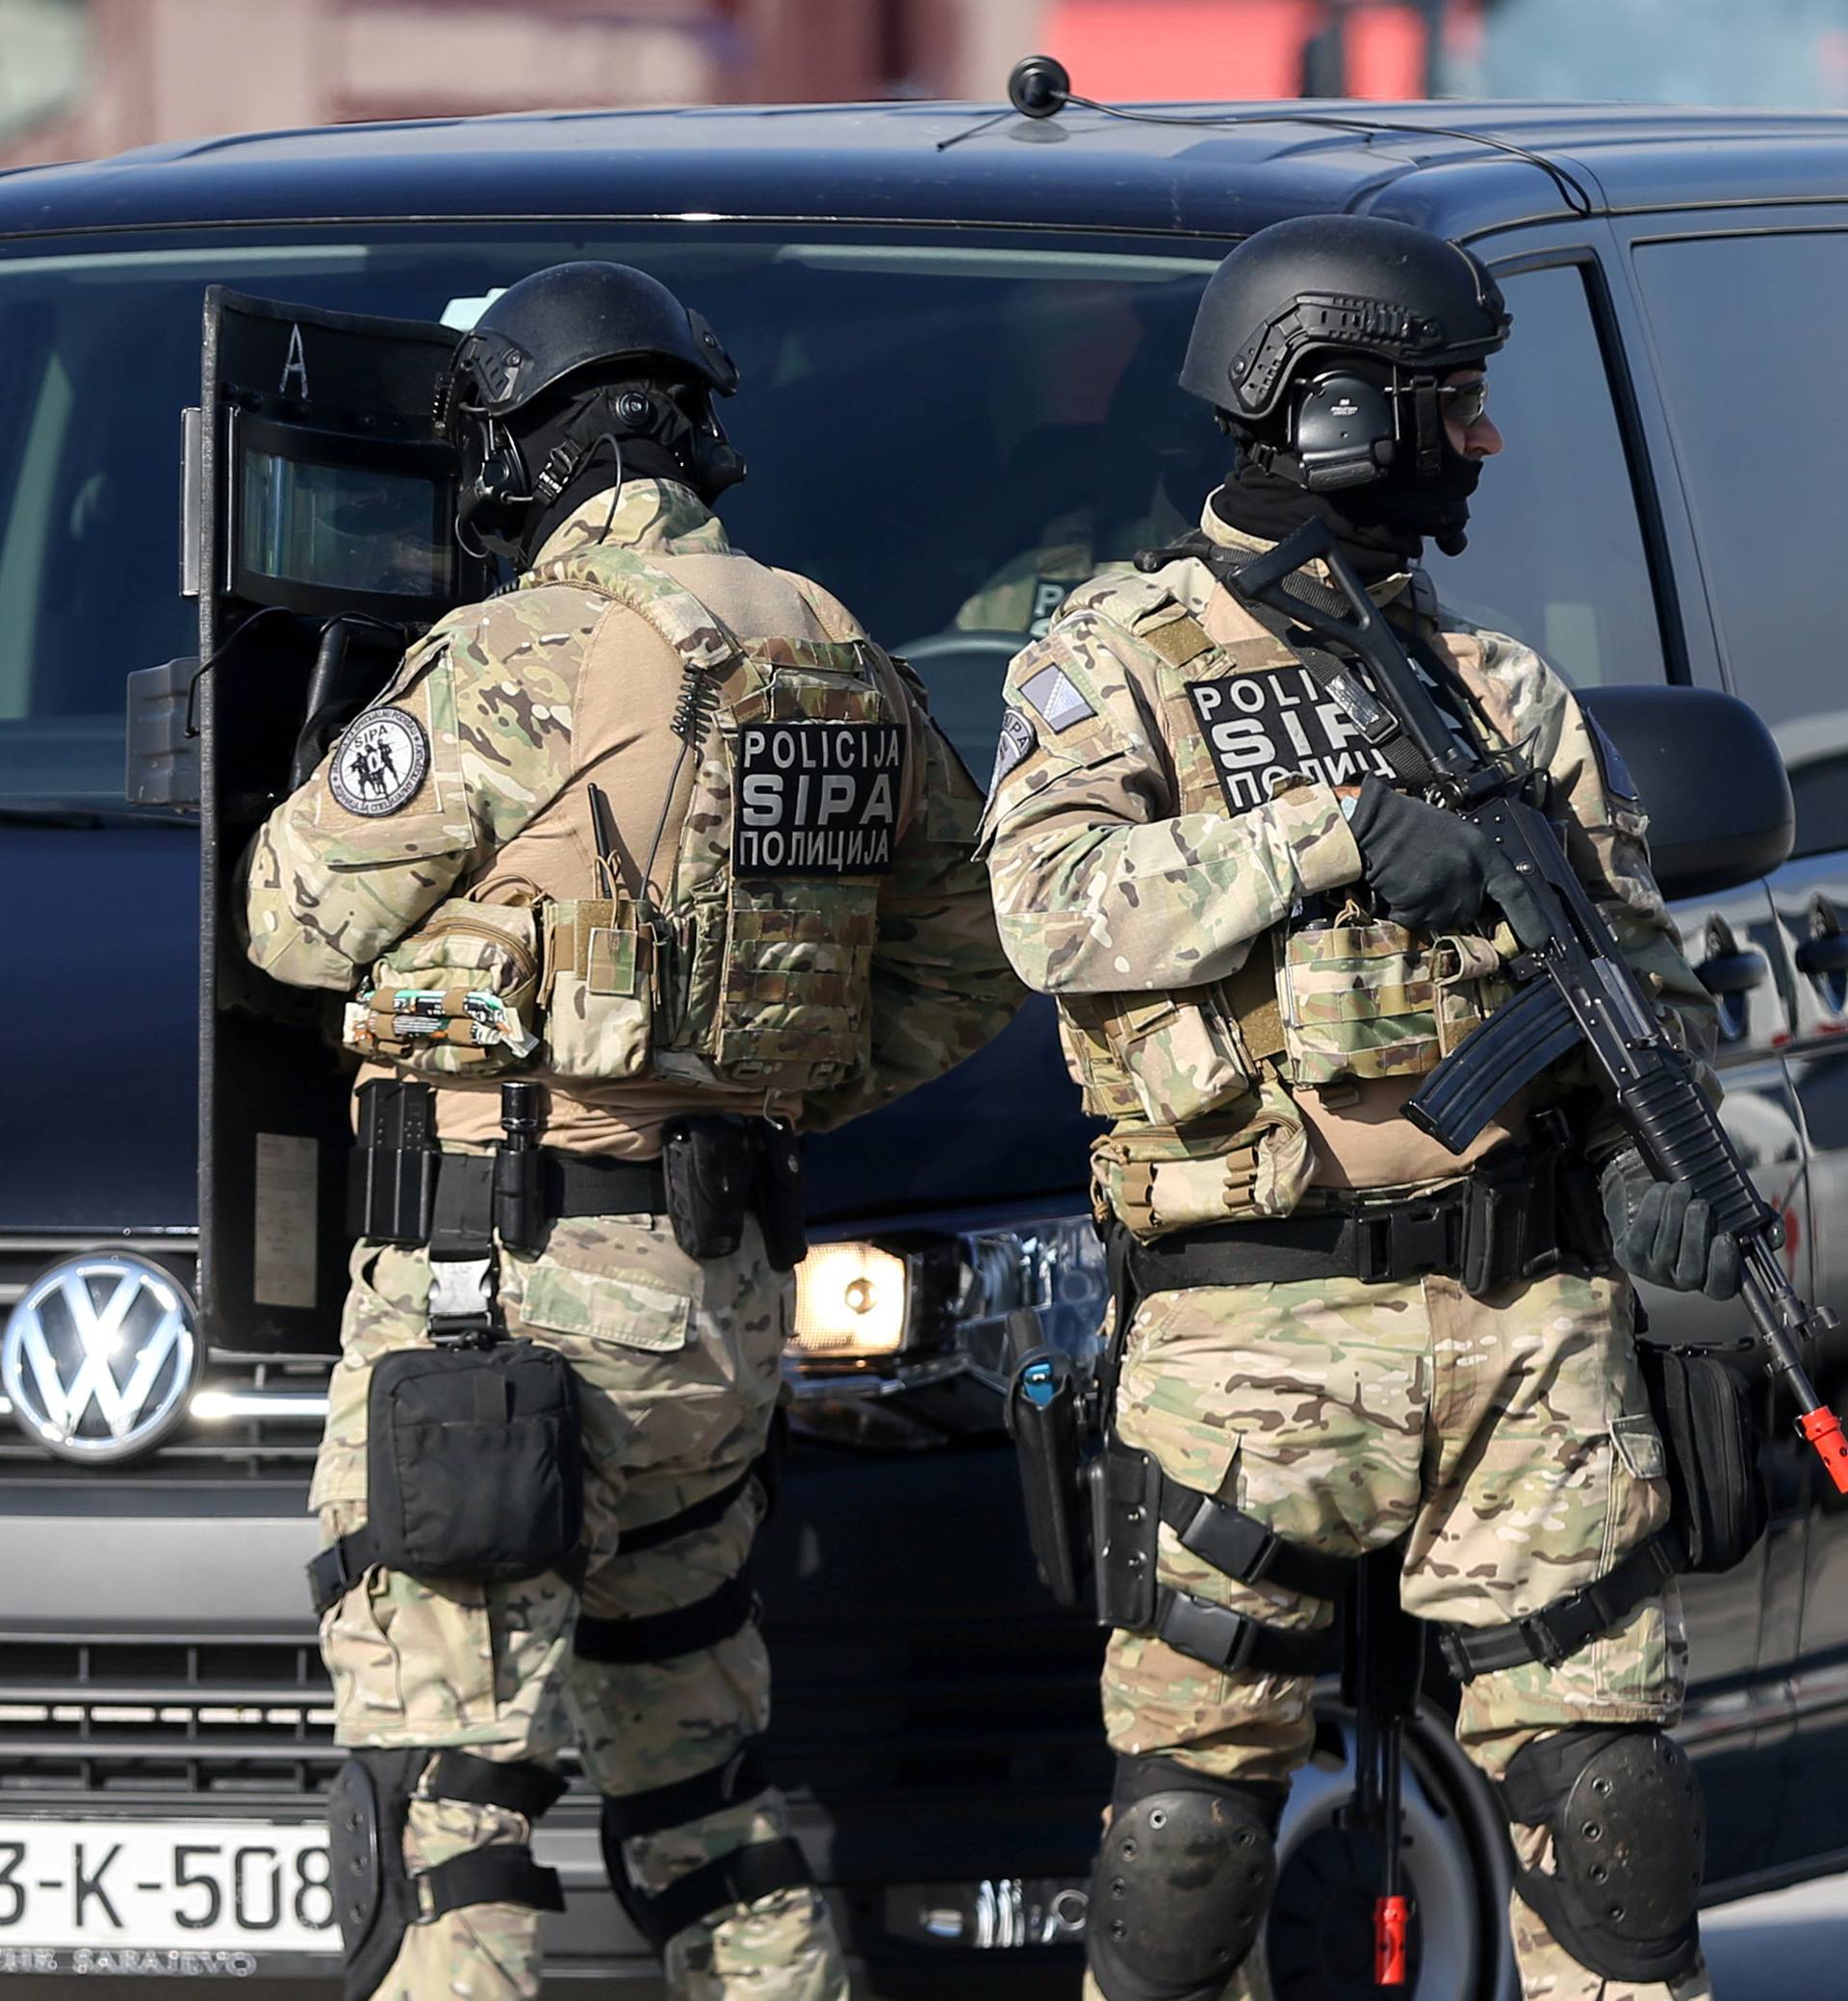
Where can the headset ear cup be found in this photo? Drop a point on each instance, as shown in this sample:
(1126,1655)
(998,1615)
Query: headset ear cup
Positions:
(1342,431)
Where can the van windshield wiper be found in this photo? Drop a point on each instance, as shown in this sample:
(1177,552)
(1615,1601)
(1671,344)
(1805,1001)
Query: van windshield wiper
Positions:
(84,813)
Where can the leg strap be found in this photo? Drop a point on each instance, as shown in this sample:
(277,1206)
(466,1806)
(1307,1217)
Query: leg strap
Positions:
(1222,1638)
(741,1777)
(376,1898)
(1558,1631)
(702,1514)
(1242,1547)
(667,1635)
(339,1567)
(727,1882)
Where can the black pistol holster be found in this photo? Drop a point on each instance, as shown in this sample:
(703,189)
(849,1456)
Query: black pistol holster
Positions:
(717,1170)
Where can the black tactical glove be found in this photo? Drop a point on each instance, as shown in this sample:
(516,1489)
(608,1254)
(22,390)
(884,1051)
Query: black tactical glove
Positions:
(1663,1232)
(1434,871)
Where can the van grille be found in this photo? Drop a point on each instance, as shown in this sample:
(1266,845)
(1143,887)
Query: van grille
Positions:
(959,1713)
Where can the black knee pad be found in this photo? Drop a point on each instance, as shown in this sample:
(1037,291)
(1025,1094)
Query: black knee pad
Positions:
(1183,1882)
(377,1899)
(1628,1842)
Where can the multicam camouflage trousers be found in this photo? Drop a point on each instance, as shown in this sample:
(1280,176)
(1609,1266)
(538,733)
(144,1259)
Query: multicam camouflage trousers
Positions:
(1509,1441)
(677,1364)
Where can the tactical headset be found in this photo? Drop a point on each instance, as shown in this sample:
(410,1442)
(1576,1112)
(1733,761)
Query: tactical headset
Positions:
(1343,427)
(502,480)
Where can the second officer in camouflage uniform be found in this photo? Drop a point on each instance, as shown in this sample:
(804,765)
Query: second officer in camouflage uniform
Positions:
(1259,947)
(663,830)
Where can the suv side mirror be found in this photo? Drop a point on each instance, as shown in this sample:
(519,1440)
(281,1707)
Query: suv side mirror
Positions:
(1710,778)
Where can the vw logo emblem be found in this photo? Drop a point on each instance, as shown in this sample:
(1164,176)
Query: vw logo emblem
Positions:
(99,1358)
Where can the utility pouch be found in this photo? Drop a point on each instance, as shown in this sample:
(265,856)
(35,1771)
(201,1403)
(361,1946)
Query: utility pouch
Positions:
(1042,1418)
(780,1184)
(1252,1161)
(473,1467)
(1127,1525)
(708,1165)
(599,988)
(391,1183)
(1357,999)
(1705,1412)
(456,996)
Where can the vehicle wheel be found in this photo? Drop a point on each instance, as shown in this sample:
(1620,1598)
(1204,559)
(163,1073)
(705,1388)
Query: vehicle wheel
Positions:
(1319,1939)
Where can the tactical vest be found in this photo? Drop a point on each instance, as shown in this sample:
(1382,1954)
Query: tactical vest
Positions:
(1347,996)
(753,970)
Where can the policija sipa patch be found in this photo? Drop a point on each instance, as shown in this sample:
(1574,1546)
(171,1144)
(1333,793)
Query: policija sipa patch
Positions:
(1264,727)
(817,799)
(379,762)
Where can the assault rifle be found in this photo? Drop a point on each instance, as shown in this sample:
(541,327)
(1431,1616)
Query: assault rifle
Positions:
(1573,986)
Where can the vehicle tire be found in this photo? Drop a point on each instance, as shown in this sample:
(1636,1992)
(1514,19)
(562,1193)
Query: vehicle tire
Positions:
(1320,1940)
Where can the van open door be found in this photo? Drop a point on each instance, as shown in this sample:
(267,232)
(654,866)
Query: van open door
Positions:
(319,503)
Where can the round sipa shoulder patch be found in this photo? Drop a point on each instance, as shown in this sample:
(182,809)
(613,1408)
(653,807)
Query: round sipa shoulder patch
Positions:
(379,762)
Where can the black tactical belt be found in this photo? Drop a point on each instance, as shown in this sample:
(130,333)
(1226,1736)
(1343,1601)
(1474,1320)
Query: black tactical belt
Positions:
(572,1183)
(1558,1631)
(1520,1212)
(1218,1637)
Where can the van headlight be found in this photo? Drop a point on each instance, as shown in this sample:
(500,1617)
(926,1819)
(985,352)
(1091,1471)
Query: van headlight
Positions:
(878,1316)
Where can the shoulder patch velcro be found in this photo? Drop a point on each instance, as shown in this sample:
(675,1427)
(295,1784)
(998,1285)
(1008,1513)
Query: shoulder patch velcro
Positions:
(1057,697)
(1018,742)
(379,763)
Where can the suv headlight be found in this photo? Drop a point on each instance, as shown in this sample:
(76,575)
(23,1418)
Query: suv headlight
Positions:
(873,1317)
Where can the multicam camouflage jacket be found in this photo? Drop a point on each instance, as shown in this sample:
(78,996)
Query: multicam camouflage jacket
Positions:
(784,911)
(1169,858)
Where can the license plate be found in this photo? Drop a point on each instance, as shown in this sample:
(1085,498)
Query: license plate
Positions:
(146,1896)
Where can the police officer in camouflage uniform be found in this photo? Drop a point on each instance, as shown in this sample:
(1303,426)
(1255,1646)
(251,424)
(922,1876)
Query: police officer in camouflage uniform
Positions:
(1333,1337)
(663,831)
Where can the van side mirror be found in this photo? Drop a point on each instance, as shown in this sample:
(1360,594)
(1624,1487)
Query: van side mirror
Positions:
(1710,778)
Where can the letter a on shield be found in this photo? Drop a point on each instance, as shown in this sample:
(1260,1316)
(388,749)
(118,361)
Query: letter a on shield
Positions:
(296,365)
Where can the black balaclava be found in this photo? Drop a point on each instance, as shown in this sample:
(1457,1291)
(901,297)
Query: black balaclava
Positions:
(585,419)
(1381,527)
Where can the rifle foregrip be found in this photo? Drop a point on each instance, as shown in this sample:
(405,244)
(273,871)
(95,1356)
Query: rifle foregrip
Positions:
(1681,1132)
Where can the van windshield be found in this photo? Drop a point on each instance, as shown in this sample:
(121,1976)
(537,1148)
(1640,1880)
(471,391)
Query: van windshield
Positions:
(949,433)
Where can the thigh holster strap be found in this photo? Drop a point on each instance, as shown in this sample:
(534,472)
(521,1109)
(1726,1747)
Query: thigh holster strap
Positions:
(1220,1637)
(667,1635)
(741,1777)
(1242,1547)
(339,1567)
(723,1884)
(702,1514)
(1558,1631)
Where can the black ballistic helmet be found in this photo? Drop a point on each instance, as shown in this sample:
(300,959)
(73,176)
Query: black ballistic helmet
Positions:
(1343,286)
(575,316)
(566,362)
(1323,343)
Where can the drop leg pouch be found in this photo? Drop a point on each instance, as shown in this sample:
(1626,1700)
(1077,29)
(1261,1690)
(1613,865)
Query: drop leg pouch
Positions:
(474,1462)
(1703,1410)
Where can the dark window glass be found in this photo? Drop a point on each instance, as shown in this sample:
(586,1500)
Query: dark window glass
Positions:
(948,432)
(1750,331)
(1555,553)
